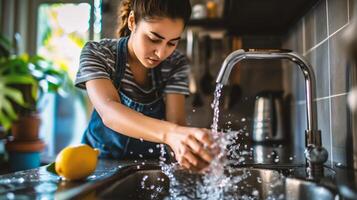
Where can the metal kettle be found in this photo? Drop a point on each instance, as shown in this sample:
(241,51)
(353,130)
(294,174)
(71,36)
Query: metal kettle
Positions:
(268,123)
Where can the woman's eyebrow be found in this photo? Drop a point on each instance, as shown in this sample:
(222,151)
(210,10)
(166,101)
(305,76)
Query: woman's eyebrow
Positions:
(162,37)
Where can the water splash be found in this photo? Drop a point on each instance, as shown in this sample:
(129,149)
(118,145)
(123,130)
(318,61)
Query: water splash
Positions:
(221,180)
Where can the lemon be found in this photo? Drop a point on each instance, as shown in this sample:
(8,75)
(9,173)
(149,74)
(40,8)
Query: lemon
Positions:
(76,162)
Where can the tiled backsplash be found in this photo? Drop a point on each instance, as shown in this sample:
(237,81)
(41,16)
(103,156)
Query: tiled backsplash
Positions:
(317,36)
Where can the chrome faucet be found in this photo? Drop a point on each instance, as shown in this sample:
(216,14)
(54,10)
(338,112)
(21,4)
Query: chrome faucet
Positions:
(315,154)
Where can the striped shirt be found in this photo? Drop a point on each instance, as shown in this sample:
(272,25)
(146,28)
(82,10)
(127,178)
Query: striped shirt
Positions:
(98,61)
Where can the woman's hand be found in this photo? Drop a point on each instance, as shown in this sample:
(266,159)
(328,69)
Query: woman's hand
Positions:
(192,147)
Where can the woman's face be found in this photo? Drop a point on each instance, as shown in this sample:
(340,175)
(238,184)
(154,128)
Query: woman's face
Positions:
(152,41)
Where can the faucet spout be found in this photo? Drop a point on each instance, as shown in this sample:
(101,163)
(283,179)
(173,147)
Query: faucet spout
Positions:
(312,134)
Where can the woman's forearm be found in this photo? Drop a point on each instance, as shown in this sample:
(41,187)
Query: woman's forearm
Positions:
(124,120)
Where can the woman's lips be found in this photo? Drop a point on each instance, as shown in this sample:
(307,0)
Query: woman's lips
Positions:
(153,61)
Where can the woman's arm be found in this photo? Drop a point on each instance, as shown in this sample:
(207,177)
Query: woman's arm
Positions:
(190,145)
(192,150)
(122,119)
(175,108)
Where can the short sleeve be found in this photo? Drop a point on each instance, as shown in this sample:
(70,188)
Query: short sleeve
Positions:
(178,81)
(97,61)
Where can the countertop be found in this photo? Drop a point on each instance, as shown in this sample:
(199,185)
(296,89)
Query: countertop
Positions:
(38,183)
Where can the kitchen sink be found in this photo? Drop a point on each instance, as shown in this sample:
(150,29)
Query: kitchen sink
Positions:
(244,183)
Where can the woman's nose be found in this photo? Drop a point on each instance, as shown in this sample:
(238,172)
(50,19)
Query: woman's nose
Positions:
(160,51)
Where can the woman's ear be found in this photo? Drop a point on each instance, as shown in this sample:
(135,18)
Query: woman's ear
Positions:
(131,21)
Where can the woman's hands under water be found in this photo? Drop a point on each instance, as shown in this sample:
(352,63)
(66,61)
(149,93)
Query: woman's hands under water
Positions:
(193,147)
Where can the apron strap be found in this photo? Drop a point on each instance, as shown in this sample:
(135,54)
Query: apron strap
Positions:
(121,60)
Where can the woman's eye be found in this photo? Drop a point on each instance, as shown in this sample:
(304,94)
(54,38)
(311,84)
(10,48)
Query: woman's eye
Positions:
(171,44)
(154,41)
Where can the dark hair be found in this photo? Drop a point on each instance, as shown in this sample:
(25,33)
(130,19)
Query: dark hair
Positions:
(148,9)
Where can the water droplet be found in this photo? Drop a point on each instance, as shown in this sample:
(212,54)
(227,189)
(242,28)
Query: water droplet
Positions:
(46,188)
(151,150)
(255,193)
(143,181)
(92,177)
(10,195)
(259,180)
(241,159)
(5,181)
(21,180)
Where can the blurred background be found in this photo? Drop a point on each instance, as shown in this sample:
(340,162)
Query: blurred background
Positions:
(58,29)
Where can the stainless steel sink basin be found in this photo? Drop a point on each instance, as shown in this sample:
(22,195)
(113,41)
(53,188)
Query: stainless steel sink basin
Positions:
(252,184)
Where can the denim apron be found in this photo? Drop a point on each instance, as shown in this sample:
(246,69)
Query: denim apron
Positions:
(116,145)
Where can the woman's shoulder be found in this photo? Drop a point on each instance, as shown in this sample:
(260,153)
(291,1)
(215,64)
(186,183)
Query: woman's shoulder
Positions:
(105,46)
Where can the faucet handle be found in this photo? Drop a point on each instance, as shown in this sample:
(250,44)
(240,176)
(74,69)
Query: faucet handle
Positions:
(316,154)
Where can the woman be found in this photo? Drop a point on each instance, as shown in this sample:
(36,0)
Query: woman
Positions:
(137,82)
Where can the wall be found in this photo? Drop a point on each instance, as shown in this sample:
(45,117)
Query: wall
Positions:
(109,18)
(318,36)
(13,19)
(251,76)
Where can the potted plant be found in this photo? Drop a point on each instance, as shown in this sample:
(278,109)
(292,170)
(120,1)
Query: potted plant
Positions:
(23,82)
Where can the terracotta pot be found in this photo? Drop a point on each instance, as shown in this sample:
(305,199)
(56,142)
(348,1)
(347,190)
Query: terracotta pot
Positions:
(13,145)
(24,155)
(26,128)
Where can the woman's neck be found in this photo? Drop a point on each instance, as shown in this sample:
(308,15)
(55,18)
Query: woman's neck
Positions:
(140,72)
(133,61)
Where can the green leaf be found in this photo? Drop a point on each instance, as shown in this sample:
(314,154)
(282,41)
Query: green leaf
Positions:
(5,121)
(14,95)
(34,91)
(9,110)
(52,168)
(19,79)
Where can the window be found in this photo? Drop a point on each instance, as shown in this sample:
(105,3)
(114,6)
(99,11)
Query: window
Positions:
(62,29)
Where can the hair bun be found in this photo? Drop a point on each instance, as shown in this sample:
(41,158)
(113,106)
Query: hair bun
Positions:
(123,14)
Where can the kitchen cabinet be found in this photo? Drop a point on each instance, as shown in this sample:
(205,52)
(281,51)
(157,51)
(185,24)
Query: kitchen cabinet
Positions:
(257,17)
